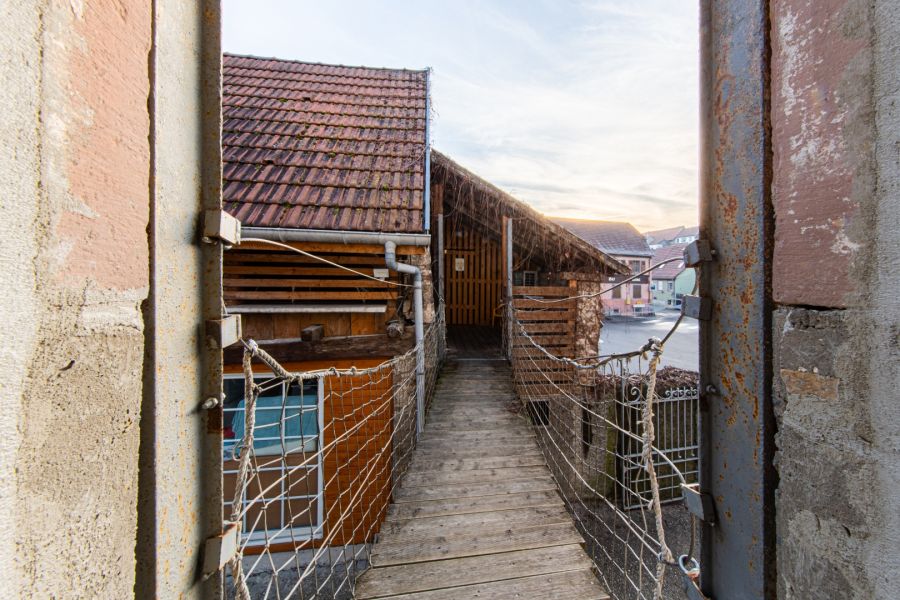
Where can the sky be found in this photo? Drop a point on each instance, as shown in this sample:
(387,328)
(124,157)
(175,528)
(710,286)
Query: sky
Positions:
(583,109)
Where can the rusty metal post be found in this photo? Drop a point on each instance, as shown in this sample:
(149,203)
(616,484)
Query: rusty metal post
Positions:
(738,552)
(180,482)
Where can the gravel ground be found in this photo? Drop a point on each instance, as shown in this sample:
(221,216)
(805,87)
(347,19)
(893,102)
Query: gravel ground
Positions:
(262,584)
(676,522)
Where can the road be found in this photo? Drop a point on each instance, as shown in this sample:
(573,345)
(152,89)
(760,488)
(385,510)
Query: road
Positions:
(682,351)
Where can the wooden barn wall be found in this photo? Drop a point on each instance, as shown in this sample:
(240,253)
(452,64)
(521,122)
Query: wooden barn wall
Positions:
(257,274)
(473,295)
(549,316)
(357,469)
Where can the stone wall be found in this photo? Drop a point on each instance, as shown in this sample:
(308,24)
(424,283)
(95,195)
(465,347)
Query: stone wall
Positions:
(836,277)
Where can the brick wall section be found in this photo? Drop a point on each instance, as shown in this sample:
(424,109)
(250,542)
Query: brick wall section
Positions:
(822,149)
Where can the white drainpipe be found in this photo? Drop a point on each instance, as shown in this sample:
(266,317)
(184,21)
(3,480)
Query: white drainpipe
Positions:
(390,259)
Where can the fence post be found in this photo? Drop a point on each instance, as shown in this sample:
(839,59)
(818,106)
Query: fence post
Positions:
(508,268)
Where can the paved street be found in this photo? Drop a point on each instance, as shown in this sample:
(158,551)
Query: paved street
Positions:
(622,335)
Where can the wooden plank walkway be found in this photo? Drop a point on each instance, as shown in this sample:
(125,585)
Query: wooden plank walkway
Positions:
(478,515)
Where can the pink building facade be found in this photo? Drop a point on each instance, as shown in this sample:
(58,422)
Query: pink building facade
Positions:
(628,246)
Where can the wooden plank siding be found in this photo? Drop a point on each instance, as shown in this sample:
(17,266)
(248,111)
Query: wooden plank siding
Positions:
(548,315)
(359,412)
(259,274)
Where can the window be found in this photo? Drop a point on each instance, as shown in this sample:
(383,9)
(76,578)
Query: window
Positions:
(671,285)
(636,291)
(529,278)
(617,292)
(539,412)
(636,265)
(286,437)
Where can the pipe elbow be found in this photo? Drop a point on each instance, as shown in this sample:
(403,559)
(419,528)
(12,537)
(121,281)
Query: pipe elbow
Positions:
(390,261)
(390,256)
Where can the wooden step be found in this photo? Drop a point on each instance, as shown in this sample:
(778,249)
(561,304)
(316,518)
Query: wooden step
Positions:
(572,585)
(431,508)
(454,573)
(414,478)
(463,525)
(471,490)
(486,462)
(386,553)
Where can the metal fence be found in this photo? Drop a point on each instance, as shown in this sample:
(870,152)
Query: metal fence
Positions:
(676,424)
(618,450)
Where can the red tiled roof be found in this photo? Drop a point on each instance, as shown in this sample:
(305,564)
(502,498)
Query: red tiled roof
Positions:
(663,235)
(612,237)
(671,270)
(312,146)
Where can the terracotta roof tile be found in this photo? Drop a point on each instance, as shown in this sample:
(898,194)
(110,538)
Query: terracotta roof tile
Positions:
(661,236)
(315,146)
(612,237)
(671,270)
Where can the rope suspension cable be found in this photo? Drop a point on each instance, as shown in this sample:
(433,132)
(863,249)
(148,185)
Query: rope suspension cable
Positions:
(546,375)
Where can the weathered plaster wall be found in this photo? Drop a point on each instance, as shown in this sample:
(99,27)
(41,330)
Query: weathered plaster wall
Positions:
(75,181)
(836,133)
(19,179)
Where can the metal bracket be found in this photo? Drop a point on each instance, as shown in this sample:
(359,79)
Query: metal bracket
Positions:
(696,307)
(220,549)
(222,333)
(697,252)
(698,504)
(219,226)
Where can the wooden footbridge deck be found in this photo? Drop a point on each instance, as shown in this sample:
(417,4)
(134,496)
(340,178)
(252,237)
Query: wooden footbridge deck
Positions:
(478,514)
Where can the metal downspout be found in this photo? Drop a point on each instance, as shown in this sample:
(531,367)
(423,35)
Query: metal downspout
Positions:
(390,260)
(427,200)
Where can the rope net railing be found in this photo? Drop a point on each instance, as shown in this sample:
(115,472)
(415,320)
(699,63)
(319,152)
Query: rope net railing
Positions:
(310,465)
(620,436)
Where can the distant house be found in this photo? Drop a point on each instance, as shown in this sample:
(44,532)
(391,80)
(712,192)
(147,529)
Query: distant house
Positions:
(332,161)
(671,281)
(661,238)
(627,245)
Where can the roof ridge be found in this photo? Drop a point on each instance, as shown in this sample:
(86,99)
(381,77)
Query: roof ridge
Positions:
(320,64)
(590,220)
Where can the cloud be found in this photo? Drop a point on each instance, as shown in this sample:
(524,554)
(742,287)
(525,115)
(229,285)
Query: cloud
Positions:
(582,107)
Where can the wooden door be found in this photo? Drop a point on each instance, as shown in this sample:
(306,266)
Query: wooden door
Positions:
(473,273)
